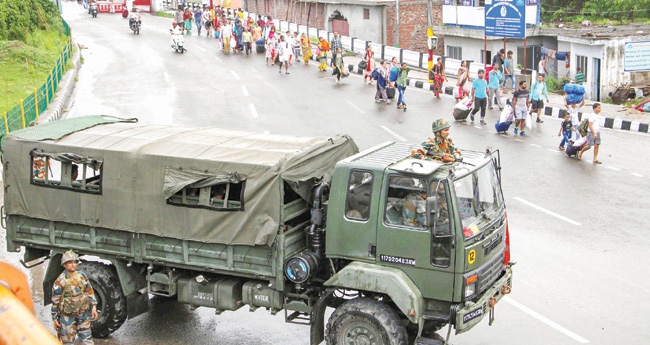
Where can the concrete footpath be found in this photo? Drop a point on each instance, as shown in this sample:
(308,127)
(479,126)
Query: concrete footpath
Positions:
(615,116)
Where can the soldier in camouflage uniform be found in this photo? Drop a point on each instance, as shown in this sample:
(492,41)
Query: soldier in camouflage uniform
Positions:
(441,147)
(73,303)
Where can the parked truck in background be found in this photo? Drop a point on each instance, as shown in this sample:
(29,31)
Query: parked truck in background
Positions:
(223,219)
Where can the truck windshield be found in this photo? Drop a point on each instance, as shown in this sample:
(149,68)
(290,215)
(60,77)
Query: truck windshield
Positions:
(479,199)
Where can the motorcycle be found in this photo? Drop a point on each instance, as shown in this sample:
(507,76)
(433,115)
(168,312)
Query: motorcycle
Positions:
(93,10)
(135,26)
(178,42)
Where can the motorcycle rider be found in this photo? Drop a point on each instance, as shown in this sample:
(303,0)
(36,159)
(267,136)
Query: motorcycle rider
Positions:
(134,16)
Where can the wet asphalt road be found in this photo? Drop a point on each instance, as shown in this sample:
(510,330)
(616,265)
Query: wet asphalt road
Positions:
(577,230)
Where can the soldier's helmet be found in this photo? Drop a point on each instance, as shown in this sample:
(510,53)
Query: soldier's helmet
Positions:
(69,256)
(439,125)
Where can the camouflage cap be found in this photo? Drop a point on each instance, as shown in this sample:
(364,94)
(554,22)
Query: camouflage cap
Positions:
(439,125)
(69,256)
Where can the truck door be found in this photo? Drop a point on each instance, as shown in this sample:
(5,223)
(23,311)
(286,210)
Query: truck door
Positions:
(405,243)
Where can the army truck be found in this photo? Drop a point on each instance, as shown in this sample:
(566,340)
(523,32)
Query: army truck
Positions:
(224,219)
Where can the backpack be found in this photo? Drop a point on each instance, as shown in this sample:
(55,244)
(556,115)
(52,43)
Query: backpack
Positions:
(584,127)
(375,74)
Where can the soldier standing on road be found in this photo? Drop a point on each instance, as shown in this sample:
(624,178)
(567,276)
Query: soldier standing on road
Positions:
(73,303)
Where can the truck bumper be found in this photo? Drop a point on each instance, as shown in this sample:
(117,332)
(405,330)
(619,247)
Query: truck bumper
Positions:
(472,313)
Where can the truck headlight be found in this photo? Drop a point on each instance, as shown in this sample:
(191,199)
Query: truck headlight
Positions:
(470,289)
(470,285)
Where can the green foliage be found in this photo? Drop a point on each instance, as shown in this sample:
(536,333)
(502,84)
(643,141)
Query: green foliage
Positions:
(635,102)
(19,18)
(26,65)
(552,84)
(598,11)
(164,14)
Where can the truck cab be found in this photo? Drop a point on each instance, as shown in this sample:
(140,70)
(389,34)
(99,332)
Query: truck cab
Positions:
(443,225)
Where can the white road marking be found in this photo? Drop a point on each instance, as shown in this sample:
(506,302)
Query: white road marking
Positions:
(636,175)
(267,132)
(539,208)
(253,70)
(399,137)
(243,89)
(253,110)
(355,107)
(545,320)
(554,151)
(235,75)
(201,49)
(535,145)
(115,32)
(613,168)
(519,140)
(166,76)
(479,127)
(217,58)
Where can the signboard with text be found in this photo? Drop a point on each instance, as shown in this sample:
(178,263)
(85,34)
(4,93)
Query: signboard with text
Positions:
(532,2)
(505,18)
(467,3)
(637,57)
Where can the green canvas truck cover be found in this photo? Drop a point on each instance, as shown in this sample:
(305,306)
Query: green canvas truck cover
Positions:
(144,164)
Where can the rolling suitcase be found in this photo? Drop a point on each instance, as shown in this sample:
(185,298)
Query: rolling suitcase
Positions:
(502,127)
(390,92)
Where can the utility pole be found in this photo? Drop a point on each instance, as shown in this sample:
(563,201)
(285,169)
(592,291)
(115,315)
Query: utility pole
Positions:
(396,23)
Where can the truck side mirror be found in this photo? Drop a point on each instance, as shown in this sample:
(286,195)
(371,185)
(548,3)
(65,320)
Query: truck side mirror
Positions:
(432,203)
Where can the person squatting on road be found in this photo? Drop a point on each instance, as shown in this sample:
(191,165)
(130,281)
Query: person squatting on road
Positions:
(593,134)
(440,147)
(402,74)
(493,86)
(480,95)
(537,90)
(73,303)
(382,81)
(520,104)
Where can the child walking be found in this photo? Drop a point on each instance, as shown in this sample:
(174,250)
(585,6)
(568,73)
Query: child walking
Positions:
(565,131)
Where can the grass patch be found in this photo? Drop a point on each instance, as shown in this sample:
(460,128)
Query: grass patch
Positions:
(26,66)
(164,14)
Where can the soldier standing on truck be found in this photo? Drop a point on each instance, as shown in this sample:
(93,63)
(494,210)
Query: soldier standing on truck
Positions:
(73,303)
(441,147)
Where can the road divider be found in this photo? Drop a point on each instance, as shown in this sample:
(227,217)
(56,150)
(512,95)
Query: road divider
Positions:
(253,110)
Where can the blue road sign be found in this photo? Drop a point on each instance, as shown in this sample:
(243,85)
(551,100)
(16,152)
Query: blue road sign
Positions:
(505,18)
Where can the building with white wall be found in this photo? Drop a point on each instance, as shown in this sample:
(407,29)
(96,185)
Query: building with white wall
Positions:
(598,51)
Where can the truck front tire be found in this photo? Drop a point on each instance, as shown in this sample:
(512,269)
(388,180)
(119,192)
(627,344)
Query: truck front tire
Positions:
(111,303)
(365,321)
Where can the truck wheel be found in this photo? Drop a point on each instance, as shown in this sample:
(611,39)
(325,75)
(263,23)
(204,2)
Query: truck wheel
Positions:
(111,303)
(365,321)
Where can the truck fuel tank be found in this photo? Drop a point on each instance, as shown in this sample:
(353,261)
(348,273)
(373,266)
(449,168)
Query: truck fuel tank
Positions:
(221,294)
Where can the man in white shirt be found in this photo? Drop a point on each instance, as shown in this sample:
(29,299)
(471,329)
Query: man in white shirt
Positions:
(593,134)
(289,39)
(226,34)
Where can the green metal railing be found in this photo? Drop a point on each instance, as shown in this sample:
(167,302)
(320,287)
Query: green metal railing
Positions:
(28,109)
